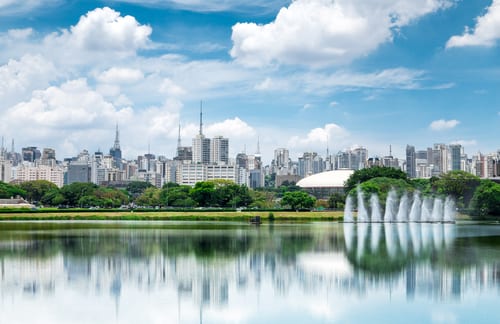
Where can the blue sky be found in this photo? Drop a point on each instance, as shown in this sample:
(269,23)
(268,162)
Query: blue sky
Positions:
(302,74)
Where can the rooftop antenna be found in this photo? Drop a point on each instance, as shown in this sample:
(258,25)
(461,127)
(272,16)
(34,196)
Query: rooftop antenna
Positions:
(12,148)
(390,150)
(179,137)
(327,150)
(258,145)
(201,117)
(245,148)
(117,138)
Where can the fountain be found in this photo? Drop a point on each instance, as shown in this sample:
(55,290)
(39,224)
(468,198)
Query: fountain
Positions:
(375,207)
(426,209)
(390,206)
(362,213)
(348,218)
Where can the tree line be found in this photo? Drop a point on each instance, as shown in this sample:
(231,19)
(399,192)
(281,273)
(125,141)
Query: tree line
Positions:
(216,193)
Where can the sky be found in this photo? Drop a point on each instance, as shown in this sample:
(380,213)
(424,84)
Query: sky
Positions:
(306,75)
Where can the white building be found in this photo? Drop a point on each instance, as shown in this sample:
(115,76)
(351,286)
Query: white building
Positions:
(29,172)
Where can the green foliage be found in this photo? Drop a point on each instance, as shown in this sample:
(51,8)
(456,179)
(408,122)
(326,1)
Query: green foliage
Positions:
(203,193)
(298,200)
(52,198)
(382,186)
(7,191)
(36,189)
(136,188)
(262,199)
(336,200)
(363,175)
(486,199)
(150,197)
(459,184)
(176,196)
(73,192)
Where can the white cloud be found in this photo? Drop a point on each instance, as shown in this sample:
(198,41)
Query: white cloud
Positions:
(170,88)
(441,124)
(317,138)
(20,33)
(334,103)
(120,75)
(465,142)
(485,33)
(325,32)
(18,78)
(232,128)
(103,30)
(11,7)
(213,5)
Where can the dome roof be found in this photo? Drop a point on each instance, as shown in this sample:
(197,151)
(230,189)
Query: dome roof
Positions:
(329,179)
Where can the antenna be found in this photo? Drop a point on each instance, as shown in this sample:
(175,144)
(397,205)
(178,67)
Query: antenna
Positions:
(390,150)
(179,138)
(258,145)
(12,148)
(201,117)
(327,150)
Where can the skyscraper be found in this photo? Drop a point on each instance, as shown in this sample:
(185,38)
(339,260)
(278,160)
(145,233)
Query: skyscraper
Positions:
(116,152)
(219,153)
(456,156)
(201,144)
(411,159)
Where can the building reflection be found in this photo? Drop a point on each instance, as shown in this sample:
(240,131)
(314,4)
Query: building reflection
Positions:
(419,260)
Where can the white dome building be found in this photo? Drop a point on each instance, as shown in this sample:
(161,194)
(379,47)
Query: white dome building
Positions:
(322,185)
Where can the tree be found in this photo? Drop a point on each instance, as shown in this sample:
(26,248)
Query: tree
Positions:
(297,200)
(336,200)
(459,184)
(486,199)
(36,189)
(8,191)
(73,192)
(203,193)
(136,188)
(150,197)
(363,175)
(176,196)
(52,198)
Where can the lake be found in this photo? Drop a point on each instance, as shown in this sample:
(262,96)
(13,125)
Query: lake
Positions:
(213,272)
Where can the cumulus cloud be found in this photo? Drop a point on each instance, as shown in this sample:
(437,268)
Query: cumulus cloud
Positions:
(465,142)
(170,88)
(120,75)
(485,33)
(317,138)
(18,78)
(234,128)
(73,116)
(441,124)
(325,32)
(104,30)
(213,5)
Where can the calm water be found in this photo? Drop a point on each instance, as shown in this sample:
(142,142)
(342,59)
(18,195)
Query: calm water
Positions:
(165,272)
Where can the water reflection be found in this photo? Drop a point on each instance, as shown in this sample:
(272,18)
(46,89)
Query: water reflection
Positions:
(236,273)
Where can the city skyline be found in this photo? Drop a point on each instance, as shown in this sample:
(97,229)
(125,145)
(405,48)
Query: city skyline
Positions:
(359,73)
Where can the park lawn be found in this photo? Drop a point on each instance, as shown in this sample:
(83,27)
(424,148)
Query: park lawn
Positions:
(176,215)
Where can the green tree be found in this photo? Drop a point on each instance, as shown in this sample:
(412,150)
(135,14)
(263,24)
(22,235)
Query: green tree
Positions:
(136,188)
(203,193)
(363,175)
(8,191)
(336,200)
(73,192)
(486,199)
(36,189)
(263,199)
(459,184)
(297,200)
(150,197)
(52,198)
(176,196)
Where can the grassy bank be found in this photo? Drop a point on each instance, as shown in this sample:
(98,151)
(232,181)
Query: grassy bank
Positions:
(174,215)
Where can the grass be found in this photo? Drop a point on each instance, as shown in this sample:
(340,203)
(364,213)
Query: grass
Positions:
(173,215)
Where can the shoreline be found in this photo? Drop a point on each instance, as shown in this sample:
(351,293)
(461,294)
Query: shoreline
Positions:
(175,215)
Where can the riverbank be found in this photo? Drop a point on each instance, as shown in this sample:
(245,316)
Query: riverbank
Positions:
(176,215)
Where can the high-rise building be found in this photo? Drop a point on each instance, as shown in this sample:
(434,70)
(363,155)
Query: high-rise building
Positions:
(219,152)
(184,153)
(48,157)
(31,154)
(456,156)
(411,161)
(116,152)
(201,145)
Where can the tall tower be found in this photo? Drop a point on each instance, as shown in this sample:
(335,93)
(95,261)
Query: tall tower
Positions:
(116,151)
(201,144)
(411,167)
